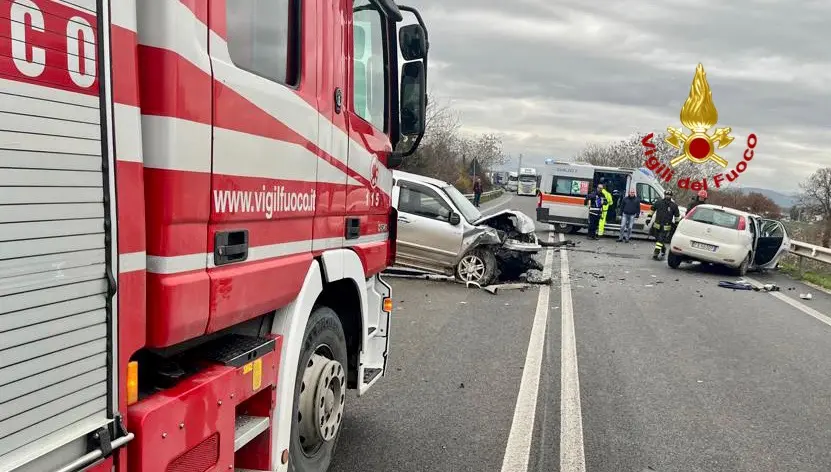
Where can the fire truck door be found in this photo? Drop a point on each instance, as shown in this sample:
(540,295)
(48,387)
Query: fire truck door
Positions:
(368,142)
(332,178)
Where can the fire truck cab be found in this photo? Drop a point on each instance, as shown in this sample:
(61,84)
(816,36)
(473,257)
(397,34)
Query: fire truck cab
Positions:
(194,215)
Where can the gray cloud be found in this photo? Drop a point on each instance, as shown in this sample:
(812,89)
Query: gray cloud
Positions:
(553,76)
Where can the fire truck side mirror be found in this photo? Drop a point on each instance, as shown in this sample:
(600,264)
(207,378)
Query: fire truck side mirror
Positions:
(413,42)
(413,98)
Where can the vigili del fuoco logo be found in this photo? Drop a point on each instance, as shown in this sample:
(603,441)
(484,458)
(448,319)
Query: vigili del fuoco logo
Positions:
(699,146)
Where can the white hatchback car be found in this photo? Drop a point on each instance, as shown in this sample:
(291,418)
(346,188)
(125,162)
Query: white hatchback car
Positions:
(722,235)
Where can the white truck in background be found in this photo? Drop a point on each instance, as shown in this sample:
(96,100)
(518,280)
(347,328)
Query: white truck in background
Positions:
(513,181)
(527,181)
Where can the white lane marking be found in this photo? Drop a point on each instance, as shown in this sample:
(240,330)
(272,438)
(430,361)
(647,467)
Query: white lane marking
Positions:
(518,449)
(798,305)
(572,455)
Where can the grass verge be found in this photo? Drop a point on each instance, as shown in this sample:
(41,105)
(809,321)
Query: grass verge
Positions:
(823,279)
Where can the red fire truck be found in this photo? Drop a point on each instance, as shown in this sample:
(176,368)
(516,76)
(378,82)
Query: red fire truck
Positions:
(194,213)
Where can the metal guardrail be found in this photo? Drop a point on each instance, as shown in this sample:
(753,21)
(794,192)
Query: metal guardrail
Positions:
(810,251)
(497,192)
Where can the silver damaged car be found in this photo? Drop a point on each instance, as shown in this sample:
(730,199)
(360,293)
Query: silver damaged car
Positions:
(440,231)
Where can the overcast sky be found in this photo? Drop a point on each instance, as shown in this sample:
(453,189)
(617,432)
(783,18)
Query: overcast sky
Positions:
(552,75)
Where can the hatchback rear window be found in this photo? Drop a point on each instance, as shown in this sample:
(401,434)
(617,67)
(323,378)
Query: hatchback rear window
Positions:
(712,216)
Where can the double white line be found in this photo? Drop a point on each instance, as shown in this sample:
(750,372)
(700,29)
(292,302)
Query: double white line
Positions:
(518,449)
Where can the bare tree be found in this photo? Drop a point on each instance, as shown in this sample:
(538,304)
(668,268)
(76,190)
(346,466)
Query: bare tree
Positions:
(816,196)
(629,153)
(446,153)
(752,202)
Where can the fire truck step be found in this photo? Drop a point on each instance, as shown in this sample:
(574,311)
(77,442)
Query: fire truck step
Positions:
(246,428)
(370,374)
(235,350)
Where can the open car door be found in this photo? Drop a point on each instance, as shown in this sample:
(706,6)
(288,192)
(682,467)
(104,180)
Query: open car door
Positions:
(771,244)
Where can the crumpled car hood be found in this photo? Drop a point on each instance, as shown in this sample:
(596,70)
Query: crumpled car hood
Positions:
(523,223)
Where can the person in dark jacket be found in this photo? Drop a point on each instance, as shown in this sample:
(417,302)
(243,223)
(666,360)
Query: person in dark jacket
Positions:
(596,202)
(477,192)
(666,214)
(698,200)
(630,208)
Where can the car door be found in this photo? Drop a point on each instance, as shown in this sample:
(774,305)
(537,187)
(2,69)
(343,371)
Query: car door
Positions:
(426,238)
(771,244)
(647,195)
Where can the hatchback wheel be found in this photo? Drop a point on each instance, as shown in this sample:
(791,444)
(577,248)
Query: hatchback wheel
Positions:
(742,269)
(673,260)
(477,266)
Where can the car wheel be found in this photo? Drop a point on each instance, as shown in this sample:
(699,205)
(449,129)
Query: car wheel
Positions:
(742,269)
(319,393)
(673,260)
(477,266)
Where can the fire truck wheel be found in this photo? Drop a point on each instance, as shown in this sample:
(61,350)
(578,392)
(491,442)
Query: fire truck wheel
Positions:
(319,393)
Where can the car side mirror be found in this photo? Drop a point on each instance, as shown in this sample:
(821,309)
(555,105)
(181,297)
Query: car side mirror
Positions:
(413,42)
(455,219)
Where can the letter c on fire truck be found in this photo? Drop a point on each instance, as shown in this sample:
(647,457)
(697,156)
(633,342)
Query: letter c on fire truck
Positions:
(194,217)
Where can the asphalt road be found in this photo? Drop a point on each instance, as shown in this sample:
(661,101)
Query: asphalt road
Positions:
(675,373)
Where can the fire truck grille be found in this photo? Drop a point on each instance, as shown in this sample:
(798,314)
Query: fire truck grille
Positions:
(199,459)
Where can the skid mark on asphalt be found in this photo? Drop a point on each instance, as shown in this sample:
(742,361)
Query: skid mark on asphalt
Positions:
(518,449)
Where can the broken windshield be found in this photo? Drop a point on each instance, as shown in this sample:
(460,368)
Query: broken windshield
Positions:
(467,209)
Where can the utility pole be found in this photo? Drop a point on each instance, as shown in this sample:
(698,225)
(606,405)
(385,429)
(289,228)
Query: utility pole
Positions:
(520,164)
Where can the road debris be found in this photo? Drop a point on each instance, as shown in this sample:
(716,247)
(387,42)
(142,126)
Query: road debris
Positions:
(494,289)
(741,284)
(806,296)
(566,243)
(518,275)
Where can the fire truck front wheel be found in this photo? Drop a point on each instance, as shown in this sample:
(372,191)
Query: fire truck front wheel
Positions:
(319,393)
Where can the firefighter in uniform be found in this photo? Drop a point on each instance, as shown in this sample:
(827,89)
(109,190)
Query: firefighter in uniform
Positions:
(601,189)
(666,214)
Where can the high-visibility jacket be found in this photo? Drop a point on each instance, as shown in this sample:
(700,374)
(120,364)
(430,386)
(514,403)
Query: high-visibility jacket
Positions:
(608,197)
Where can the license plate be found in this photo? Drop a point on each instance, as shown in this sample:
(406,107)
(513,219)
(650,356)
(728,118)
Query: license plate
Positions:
(706,247)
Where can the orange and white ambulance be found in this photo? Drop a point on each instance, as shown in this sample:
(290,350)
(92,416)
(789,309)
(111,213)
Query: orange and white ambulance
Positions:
(561,200)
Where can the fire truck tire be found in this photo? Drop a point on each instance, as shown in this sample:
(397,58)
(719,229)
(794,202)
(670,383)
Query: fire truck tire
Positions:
(319,393)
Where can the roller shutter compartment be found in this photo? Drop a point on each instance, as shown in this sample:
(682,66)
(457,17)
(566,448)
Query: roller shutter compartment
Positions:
(55,307)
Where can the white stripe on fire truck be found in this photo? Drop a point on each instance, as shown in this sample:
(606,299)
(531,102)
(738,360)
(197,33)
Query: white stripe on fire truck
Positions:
(132,262)
(280,102)
(123,15)
(176,264)
(127,133)
(189,37)
(189,144)
(241,154)
(199,261)
(334,243)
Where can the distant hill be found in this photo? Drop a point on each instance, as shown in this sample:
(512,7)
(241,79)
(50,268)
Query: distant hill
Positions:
(781,199)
